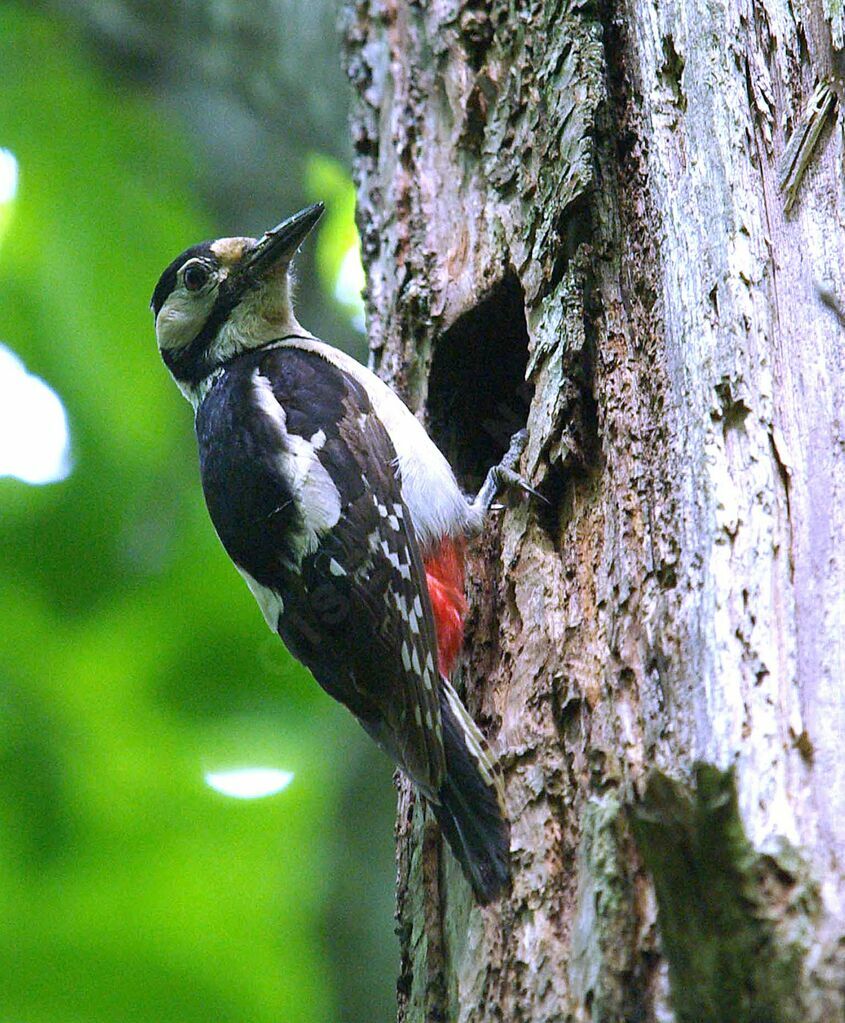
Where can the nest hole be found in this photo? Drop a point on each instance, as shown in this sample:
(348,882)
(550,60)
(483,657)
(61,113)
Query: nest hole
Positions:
(477,394)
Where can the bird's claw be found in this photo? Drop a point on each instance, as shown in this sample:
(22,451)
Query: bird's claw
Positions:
(508,478)
(505,475)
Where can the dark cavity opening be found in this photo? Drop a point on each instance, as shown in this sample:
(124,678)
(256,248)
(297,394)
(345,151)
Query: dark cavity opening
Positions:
(477,394)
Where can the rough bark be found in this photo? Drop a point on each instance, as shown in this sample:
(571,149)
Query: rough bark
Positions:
(610,219)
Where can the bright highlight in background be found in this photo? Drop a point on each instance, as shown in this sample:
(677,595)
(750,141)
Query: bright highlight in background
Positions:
(349,284)
(249,782)
(34,434)
(338,245)
(8,176)
(8,188)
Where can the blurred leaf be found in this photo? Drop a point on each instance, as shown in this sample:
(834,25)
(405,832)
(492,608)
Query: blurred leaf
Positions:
(338,244)
(132,659)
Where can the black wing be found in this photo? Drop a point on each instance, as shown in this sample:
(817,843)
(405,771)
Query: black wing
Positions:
(356,609)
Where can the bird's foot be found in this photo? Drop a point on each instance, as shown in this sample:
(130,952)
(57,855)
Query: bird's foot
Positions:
(504,476)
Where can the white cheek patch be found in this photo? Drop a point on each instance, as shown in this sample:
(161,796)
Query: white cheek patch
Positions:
(182,317)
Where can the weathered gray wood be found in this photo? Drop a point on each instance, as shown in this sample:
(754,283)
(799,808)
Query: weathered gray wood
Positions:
(685,601)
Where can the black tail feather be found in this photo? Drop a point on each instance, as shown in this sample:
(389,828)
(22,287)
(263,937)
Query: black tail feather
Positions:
(470,811)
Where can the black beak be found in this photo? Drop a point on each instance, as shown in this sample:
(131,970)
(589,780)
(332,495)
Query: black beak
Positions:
(279,244)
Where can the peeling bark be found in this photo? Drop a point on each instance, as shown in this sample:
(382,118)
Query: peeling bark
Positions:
(579,214)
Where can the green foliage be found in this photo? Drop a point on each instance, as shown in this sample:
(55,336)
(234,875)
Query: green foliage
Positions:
(132,659)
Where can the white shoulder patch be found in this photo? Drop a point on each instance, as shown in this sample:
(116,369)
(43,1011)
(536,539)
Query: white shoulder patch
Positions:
(268,600)
(313,488)
(429,487)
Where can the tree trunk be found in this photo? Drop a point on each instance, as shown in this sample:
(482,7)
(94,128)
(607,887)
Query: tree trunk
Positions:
(610,219)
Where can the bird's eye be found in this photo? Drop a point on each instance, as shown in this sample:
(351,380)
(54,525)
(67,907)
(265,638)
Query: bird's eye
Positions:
(195,276)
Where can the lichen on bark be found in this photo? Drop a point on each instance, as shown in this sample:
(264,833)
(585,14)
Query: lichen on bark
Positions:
(721,904)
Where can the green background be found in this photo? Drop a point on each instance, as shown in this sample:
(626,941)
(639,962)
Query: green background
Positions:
(132,658)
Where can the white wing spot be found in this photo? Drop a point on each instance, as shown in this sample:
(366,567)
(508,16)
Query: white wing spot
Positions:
(417,715)
(336,568)
(416,662)
(401,606)
(406,657)
(413,623)
(394,522)
(397,511)
(418,608)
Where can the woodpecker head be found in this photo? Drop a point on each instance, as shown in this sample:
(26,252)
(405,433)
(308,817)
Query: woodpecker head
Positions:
(218,299)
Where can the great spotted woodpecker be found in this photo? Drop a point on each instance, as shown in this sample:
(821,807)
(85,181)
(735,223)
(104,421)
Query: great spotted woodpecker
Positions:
(342,516)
